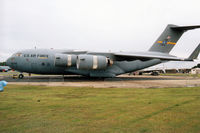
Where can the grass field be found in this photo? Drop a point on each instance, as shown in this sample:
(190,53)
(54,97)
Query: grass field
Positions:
(42,109)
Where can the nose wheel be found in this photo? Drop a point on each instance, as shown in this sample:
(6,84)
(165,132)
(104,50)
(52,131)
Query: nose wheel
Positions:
(21,76)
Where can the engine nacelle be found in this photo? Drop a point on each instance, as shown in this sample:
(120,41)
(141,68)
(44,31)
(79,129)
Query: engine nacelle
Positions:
(65,60)
(92,62)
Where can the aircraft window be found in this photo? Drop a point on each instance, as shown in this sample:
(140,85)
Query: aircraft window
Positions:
(57,57)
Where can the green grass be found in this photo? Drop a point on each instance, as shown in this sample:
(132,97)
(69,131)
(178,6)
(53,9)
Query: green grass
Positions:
(41,109)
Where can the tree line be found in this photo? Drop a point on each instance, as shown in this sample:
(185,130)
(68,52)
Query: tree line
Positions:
(2,63)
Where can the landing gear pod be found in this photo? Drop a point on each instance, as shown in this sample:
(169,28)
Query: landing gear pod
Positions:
(92,62)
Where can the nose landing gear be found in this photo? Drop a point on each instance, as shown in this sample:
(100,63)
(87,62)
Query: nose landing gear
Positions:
(21,76)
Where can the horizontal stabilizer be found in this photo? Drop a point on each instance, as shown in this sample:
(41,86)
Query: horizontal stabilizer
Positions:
(194,54)
(185,28)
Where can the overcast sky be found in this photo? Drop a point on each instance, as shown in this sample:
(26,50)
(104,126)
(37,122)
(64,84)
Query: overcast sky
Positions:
(99,25)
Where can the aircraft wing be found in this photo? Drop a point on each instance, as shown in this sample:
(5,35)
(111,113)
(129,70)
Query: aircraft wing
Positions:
(146,56)
(156,55)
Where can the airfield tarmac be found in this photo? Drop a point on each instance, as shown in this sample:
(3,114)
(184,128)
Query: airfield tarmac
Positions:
(123,81)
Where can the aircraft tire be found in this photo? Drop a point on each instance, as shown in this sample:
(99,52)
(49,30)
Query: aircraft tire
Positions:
(21,76)
(154,73)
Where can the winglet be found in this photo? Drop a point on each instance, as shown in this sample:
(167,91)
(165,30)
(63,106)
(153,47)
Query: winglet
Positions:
(194,54)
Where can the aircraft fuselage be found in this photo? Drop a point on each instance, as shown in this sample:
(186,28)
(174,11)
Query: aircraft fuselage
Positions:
(97,64)
(43,61)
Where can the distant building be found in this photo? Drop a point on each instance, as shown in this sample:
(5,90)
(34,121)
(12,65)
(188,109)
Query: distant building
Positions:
(184,70)
(195,71)
(171,71)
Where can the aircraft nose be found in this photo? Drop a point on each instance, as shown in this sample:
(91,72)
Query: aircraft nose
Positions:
(8,62)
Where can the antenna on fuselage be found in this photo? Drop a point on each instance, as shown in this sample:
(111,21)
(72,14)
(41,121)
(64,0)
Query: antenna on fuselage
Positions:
(35,44)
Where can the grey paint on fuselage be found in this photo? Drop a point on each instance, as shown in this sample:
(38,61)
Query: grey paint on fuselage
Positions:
(35,64)
(47,66)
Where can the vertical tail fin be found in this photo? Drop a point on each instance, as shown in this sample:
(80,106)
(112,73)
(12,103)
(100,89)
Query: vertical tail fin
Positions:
(169,38)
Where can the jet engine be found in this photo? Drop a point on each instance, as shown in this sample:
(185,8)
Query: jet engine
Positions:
(65,60)
(92,62)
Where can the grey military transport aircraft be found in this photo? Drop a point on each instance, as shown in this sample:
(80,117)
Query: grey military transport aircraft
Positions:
(100,64)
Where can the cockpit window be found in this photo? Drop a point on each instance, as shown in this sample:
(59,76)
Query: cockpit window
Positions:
(18,54)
